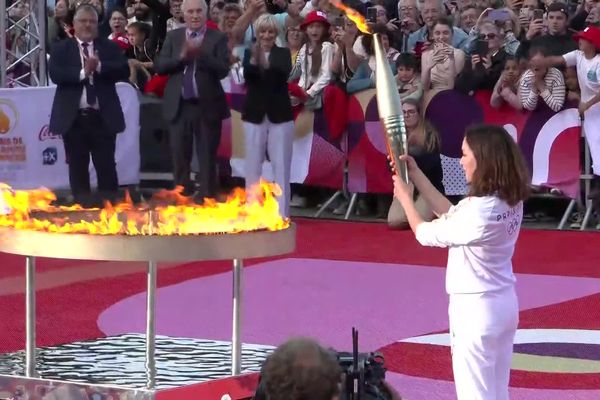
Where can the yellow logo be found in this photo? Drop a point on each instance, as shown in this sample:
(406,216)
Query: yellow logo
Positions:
(8,116)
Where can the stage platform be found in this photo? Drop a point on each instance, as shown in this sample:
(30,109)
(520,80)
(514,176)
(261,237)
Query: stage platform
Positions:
(91,314)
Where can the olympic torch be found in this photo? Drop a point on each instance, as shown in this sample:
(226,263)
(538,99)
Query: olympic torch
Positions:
(390,109)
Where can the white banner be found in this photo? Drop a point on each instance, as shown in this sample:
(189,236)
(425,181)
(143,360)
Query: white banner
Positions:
(31,156)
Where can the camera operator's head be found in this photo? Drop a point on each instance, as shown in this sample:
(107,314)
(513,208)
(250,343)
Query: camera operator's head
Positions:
(300,369)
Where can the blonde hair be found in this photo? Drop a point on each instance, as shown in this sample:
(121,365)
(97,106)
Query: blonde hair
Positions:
(424,133)
(266,21)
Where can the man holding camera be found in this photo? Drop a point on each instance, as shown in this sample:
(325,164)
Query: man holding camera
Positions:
(302,369)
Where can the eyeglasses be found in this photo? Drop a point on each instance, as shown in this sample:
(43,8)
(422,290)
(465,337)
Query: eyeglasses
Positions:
(489,36)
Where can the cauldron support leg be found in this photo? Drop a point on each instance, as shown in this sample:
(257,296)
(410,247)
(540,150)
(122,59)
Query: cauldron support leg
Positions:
(150,326)
(236,340)
(30,317)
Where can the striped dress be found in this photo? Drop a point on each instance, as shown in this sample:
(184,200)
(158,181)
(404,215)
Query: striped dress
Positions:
(553,95)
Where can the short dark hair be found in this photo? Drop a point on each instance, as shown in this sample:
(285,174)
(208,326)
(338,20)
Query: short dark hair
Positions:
(501,170)
(141,27)
(538,50)
(407,60)
(561,7)
(444,21)
(300,369)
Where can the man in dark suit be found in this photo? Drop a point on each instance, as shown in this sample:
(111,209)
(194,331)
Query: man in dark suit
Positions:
(86,110)
(194,103)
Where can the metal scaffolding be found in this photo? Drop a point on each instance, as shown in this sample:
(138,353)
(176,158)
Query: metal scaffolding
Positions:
(23,51)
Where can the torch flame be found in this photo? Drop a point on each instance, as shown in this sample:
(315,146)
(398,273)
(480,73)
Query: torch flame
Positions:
(33,209)
(353,15)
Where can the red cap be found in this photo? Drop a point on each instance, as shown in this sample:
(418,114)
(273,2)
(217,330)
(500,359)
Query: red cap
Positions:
(591,34)
(122,41)
(315,16)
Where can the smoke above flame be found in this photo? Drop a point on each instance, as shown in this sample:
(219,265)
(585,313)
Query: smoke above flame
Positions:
(353,15)
(173,213)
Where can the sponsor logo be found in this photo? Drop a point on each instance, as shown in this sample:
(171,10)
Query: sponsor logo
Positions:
(9,116)
(45,134)
(49,156)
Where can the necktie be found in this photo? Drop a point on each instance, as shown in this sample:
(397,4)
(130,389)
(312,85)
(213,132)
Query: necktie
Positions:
(90,90)
(188,76)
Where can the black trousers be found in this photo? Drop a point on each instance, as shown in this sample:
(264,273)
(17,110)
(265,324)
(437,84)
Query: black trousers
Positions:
(88,136)
(195,128)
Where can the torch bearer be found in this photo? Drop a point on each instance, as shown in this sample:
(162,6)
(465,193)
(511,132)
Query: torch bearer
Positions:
(390,109)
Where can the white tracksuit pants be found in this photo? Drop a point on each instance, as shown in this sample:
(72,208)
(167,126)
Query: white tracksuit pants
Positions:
(482,330)
(277,139)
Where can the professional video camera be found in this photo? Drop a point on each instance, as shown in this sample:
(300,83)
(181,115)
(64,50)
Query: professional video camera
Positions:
(364,374)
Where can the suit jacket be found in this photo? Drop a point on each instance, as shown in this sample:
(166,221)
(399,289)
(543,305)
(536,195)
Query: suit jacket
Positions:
(267,89)
(212,65)
(65,67)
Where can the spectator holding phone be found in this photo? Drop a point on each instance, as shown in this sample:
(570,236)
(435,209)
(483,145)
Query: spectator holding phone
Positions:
(487,61)
(442,62)
(506,89)
(431,12)
(408,15)
(364,77)
(526,14)
(395,33)
(581,18)
(557,40)
(508,28)
(541,82)
(345,60)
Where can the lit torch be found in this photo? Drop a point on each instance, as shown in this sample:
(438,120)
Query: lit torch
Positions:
(388,98)
(390,109)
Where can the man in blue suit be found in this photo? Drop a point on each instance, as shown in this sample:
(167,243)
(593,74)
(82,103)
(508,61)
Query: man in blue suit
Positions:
(86,110)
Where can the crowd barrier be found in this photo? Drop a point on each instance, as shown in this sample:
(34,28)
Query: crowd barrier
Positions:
(346,131)
(549,141)
(32,156)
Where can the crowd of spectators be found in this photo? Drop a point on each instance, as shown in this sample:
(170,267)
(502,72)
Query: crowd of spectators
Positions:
(432,45)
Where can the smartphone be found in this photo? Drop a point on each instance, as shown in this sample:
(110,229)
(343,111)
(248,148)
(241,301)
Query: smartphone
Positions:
(481,48)
(499,15)
(372,14)
(538,14)
(419,49)
(338,21)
